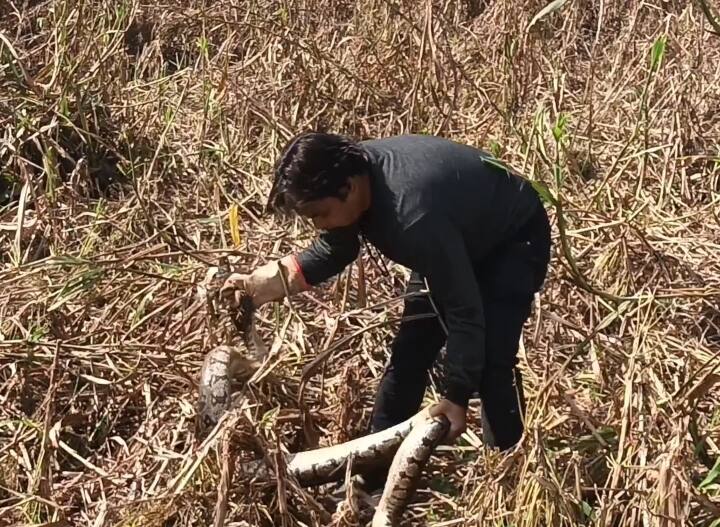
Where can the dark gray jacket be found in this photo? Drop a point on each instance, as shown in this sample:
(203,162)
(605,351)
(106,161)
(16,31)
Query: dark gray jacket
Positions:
(438,208)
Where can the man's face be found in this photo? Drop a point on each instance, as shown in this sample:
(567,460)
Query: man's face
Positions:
(333,213)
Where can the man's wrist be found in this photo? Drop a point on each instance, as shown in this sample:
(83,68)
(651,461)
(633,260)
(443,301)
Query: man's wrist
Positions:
(458,394)
(296,277)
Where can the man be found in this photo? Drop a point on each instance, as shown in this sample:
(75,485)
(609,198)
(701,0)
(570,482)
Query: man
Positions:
(475,232)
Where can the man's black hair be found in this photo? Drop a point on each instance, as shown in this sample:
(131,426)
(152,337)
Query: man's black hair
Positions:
(314,166)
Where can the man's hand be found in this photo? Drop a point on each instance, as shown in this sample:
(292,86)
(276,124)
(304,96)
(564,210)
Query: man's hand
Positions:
(235,286)
(264,284)
(456,414)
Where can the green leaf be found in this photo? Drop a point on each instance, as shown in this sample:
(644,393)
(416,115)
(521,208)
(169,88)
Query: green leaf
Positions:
(7,423)
(37,333)
(712,476)
(545,11)
(560,129)
(85,281)
(140,310)
(658,52)
(495,148)
(495,163)
(544,192)
(203,45)
(587,510)
(64,107)
(268,419)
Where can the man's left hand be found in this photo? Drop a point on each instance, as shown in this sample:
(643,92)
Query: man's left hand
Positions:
(456,414)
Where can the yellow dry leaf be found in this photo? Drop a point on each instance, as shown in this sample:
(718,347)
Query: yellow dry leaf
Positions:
(234,225)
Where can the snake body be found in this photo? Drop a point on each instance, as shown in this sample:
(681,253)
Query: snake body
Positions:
(405,446)
(406,468)
(328,464)
(240,355)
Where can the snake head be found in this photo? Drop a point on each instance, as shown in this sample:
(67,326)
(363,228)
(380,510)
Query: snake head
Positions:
(242,317)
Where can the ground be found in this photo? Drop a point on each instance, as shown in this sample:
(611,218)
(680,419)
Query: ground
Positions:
(137,148)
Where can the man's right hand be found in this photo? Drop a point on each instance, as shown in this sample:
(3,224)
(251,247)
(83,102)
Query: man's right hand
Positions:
(264,284)
(236,286)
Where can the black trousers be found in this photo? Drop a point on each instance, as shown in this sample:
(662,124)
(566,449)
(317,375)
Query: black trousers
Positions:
(508,280)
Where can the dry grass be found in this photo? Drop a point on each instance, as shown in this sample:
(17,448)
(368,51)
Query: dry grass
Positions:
(129,130)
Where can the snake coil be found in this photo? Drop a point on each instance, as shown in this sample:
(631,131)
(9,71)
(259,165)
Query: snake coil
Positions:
(240,352)
(406,446)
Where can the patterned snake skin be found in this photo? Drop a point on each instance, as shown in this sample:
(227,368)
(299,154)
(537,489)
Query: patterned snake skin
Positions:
(406,447)
(407,465)
(239,355)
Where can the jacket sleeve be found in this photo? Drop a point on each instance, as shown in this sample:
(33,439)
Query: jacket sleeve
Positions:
(441,257)
(329,254)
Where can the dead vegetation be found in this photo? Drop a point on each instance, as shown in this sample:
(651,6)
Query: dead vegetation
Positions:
(129,131)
